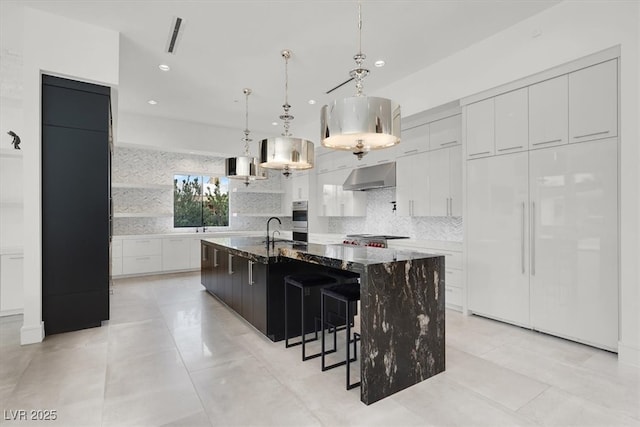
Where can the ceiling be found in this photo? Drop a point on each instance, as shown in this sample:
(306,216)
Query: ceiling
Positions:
(226,46)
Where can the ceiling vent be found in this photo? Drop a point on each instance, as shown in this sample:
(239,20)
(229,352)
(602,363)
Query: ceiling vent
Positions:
(175,34)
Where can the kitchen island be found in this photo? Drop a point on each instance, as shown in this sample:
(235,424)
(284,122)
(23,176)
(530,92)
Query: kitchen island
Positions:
(401,308)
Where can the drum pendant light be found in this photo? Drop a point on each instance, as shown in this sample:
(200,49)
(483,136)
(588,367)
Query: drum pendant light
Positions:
(285,152)
(245,167)
(360,123)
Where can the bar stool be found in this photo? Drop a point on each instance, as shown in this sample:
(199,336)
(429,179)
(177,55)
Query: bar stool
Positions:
(304,282)
(348,294)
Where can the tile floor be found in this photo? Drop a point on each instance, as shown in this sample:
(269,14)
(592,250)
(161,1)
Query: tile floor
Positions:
(172,355)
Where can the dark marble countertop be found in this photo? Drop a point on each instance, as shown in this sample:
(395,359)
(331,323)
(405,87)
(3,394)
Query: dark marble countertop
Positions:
(338,256)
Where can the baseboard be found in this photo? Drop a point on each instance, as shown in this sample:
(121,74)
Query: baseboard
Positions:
(628,355)
(32,334)
(10,312)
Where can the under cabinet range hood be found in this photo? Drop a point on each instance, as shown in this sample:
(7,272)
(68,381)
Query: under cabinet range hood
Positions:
(370,177)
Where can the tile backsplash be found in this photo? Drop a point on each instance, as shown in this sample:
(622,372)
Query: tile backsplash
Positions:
(381,219)
(144,166)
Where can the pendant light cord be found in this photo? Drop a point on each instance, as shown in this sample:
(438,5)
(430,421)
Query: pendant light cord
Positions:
(246,138)
(286,117)
(359,72)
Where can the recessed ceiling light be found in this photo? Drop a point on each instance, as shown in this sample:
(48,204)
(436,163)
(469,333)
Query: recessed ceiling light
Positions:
(164,67)
(312,101)
(152,101)
(275,123)
(379,63)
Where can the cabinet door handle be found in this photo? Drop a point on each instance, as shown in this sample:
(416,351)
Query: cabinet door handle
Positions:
(251,273)
(230,264)
(205,253)
(533,238)
(480,154)
(510,148)
(415,150)
(383,161)
(444,144)
(604,132)
(547,142)
(522,238)
(215,257)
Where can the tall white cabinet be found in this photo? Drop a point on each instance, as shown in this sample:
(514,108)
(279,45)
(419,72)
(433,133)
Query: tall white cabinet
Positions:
(574,249)
(542,206)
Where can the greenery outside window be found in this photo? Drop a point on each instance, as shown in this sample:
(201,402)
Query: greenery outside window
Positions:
(200,201)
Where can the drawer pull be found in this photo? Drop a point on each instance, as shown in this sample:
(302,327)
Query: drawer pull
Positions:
(415,150)
(510,148)
(547,142)
(592,134)
(146,258)
(480,154)
(444,144)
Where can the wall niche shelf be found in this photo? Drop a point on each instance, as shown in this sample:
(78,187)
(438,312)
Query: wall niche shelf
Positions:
(143,186)
(256,191)
(142,214)
(11,153)
(259,215)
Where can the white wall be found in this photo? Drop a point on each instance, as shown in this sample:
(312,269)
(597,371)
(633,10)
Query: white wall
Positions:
(67,48)
(178,135)
(568,31)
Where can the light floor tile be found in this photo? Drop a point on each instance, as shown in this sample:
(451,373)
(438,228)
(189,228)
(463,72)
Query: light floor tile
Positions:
(173,355)
(555,407)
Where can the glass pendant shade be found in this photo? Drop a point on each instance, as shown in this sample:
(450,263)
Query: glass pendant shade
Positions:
(285,152)
(360,124)
(245,167)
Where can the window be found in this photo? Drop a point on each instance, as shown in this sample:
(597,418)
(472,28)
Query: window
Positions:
(200,201)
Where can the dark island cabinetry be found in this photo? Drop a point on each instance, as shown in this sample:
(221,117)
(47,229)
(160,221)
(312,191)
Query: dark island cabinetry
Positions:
(239,283)
(255,290)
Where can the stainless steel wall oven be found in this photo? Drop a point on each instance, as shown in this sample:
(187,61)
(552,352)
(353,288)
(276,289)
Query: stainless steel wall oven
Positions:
(300,221)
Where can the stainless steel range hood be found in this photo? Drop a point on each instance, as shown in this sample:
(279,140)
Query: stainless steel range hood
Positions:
(368,178)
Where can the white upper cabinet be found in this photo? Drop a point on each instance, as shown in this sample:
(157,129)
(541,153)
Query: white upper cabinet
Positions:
(438,171)
(412,185)
(414,140)
(455,181)
(593,102)
(334,201)
(549,113)
(480,129)
(300,186)
(445,132)
(511,121)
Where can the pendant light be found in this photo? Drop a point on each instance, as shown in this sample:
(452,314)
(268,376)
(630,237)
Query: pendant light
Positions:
(360,123)
(245,167)
(285,152)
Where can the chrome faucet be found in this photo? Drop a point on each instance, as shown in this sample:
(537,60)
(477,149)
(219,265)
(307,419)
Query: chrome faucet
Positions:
(269,221)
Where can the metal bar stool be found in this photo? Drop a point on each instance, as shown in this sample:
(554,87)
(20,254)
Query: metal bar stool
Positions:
(348,294)
(304,282)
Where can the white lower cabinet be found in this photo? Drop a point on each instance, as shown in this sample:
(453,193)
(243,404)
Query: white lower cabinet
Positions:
(195,254)
(11,284)
(176,253)
(116,257)
(542,240)
(452,251)
(141,256)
